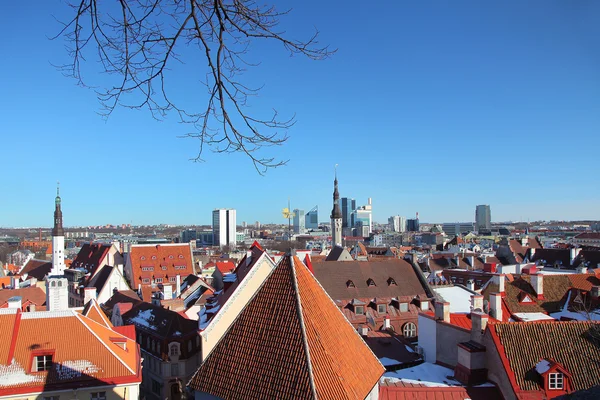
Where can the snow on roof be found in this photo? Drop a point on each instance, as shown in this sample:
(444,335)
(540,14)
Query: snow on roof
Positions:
(459,298)
(144,318)
(387,362)
(533,316)
(542,366)
(556,271)
(578,316)
(74,369)
(14,374)
(427,374)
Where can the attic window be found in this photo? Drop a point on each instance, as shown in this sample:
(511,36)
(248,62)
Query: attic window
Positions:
(381,308)
(181,256)
(154,257)
(371,282)
(42,363)
(555,381)
(391,281)
(171,257)
(350,284)
(143,258)
(359,310)
(525,298)
(403,307)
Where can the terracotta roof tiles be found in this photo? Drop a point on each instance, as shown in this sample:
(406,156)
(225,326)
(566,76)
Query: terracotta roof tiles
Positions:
(291,342)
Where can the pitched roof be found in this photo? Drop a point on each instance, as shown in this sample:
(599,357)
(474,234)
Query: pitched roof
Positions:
(291,342)
(159,321)
(37,269)
(334,276)
(83,352)
(91,256)
(99,280)
(160,261)
(92,311)
(567,343)
(32,294)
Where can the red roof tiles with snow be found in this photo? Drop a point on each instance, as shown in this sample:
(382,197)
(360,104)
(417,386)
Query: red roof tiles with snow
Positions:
(161,261)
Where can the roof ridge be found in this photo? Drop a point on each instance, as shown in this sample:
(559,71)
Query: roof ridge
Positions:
(302,326)
(84,323)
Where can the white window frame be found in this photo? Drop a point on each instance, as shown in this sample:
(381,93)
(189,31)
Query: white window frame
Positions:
(409,330)
(361,308)
(556,381)
(379,308)
(98,396)
(45,361)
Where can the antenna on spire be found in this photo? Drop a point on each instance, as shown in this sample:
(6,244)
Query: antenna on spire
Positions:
(57,188)
(335,170)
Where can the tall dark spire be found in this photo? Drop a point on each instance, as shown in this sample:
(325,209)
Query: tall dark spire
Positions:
(58,222)
(336,212)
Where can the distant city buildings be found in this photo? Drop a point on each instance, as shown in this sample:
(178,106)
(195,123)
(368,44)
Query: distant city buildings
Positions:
(224,227)
(457,228)
(397,223)
(483,217)
(188,235)
(311,220)
(412,224)
(299,221)
(348,207)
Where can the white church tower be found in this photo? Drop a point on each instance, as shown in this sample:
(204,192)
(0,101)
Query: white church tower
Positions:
(336,216)
(57,286)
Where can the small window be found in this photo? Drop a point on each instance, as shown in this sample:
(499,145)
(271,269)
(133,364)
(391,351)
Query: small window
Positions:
(350,284)
(156,387)
(51,397)
(403,307)
(409,330)
(59,284)
(173,351)
(98,396)
(171,257)
(391,282)
(158,280)
(146,281)
(359,310)
(164,268)
(43,363)
(143,258)
(371,282)
(172,279)
(555,381)
(181,256)
(381,308)
(154,257)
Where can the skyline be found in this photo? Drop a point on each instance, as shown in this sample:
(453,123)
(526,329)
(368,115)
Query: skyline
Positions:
(430,108)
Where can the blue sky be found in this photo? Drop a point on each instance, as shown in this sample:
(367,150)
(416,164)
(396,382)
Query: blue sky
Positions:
(427,106)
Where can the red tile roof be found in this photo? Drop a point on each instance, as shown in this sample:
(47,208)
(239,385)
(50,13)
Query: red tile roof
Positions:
(83,353)
(572,344)
(160,261)
(29,295)
(289,342)
(91,256)
(37,269)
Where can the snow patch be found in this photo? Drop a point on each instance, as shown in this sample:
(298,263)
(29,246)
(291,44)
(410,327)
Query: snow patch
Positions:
(14,374)
(533,316)
(389,361)
(144,318)
(74,369)
(426,374)
(459,298)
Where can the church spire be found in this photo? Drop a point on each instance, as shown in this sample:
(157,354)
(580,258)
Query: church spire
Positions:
(58,223)
(336,215)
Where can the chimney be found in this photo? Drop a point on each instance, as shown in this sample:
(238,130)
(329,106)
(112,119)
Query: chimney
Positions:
(15,302)
(472,261)
(496,306)
(582,269)
(442,311)
(573,253)
(89,293)
(498,279)
(178,285)
(477,302)
(167,292)
(471,284)
(537,281)
(479,321)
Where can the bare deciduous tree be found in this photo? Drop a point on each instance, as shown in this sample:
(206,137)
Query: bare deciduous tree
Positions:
(137,41)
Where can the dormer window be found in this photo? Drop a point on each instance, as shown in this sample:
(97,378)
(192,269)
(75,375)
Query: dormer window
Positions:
(171,257)
(391,282)
(381,308)
(350,284)
(42,363)
(371,282)
(555,381)
(143,258)
(359,310)
(154,257)
(181,256)
(403,307)
(524,298)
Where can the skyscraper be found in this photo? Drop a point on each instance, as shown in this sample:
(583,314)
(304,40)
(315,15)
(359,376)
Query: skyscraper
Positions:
(483,217)
(312,218)
(299,221)
(348,207)
(397,223)
(224,227)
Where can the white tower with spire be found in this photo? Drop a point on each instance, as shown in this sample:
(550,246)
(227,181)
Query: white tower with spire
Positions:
(336,215)
(58,239)
(57,286)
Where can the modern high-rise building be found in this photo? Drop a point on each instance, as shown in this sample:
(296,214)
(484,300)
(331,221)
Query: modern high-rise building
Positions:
(299,222)
(397,223)
(348,206)
(363,218)
(483,217)
(312,218)
(224,226)
(412,224)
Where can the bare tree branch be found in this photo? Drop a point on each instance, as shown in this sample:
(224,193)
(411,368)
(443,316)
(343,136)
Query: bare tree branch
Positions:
(137,41)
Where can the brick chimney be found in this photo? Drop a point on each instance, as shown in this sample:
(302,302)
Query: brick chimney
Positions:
(496,306)
(477,302)
(442,311)
(479,321)
(537,281)
(499,279)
